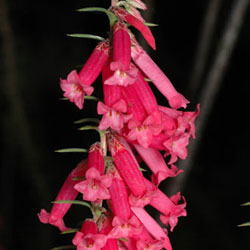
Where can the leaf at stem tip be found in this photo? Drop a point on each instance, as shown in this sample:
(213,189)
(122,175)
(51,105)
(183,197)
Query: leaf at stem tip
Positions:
(247,224)
(72,150)
(73,230)
(99,38)
(75,202)
(84,120)
(64,247)
(246,204)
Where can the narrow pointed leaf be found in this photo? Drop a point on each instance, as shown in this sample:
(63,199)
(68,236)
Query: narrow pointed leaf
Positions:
(84,120)
(89,127)
(74,230)
(72,150)
(92,98)
(147,80)
(75,202)
(151,24)
(77,35)
(247,224)
(246,204)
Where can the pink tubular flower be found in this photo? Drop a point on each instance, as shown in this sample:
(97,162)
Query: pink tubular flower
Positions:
(152,226)
(119,197)
(149,67)
(150,245)
(179,210)
(143,133)
(122,77)
(121,45)
(67,192)
(176,147)
(96,158)
(105,226)
(186,122)
(95,63)
(169,207)
(134,105)
(145,31)
(127,166)
(113,117)
(125,228)
(74,90)
(95,186)
(112,93)
(157,164)
(88,238)
(147,98)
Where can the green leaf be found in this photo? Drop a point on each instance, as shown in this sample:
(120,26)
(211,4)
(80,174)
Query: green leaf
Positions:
(64,247)
(111,16)
(73,230)
(92,98)
(147,80)
(99,38)
(247,224)
(75,202)
(89,127)
(72,150)
(246,204)
(142,169)
(151,24)
(86,97)
(84,120)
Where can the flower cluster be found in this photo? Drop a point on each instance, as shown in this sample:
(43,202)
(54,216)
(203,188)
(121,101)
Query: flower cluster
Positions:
(134,128)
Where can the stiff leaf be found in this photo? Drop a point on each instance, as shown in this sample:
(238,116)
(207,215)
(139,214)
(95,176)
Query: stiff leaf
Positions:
(84,120)
(64,247)
(247,224)
(89,127)
(73,230)
(151,24)
(246,204)
(76,202)
(92,98)
(99,38)
(72,150)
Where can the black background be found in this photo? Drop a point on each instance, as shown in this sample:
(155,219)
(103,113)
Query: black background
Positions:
(219,180)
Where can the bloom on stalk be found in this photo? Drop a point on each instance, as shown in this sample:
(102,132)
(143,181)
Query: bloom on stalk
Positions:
(88,237)
(74,90)
(77,85)
(95,186)
(133,128)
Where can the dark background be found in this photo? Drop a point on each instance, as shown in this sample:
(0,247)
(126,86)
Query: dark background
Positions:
(35,122)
